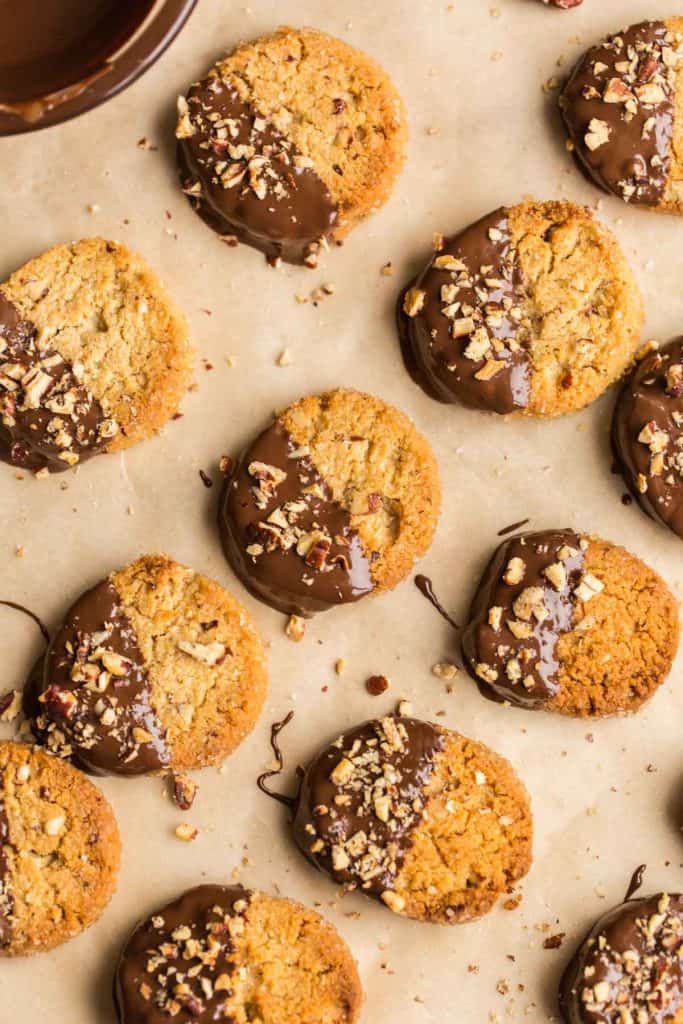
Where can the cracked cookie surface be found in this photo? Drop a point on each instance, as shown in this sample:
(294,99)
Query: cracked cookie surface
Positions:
(228,953)
(532,309)
(157,667)
(94,355)
(336,499)
(59,851)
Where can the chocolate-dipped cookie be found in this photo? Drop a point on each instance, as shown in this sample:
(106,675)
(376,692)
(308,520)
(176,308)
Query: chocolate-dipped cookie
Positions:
(620,109)
(629,969)
(434,825)
(570,623)
(647,434)
(532,309)
(333,501)
(220,953)
(156,667)
(59,851)
(289,142)
(94,356)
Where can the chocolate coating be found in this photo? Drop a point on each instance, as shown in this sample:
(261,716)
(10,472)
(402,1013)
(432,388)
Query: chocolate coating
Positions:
(647,434)
(618,109)
(47,418)
(371,783)
(467,323)
(630,963)
(89,697)
(523,669)
(5,895)
(246,179)
(186,944)
(286,538)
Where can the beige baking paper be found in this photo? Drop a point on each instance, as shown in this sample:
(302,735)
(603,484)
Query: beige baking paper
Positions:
(606,795)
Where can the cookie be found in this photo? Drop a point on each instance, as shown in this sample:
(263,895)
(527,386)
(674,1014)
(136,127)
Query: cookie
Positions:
(289,142)
(157,667)
(628,969)
(94,356)
(225,953)
(563,5)
(59,851)
(647,434)
(532,309)
(335,500)
(622,106)
(572,624)
(434,825)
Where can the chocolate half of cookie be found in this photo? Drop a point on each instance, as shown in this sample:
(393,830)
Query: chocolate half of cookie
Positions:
(647,434)
(629,968)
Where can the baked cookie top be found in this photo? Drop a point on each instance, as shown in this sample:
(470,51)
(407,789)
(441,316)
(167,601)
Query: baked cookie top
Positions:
(289,141)
(156,667)
(59,851)
(337,498)
(94,355)
(532,309)
(230,954)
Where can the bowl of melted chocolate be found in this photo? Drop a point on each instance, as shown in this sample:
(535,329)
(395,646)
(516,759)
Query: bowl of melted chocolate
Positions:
(59,58)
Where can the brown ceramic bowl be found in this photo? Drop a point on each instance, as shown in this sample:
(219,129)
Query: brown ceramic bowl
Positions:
(76,54)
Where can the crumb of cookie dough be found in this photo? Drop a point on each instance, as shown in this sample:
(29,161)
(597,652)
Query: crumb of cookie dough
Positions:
(62,850)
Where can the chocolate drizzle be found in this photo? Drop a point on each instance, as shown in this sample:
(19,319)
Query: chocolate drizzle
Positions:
(458,322)
(47,417)
(426,588)
(89,697)
(360,799)
(647,434)
(524,603)
(246,179)
(618,109)
(6,904)
(178,964)
(275,730)
(629,967)
(287,539)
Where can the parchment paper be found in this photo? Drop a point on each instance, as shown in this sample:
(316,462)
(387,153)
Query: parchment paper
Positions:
(605,794)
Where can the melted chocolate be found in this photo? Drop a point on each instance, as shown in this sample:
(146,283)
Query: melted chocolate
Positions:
(177,964)
(461,344)
(636,882)
(647,434)
(523,668)
(246,179)
(47,418)
(89,697)
(32,615)
(631,961)
(426,588)
(360,799)
(6,904)
(286,538)
(275,730)
(618,109)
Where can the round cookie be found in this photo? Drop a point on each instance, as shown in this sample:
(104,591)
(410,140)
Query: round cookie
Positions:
(647,434)
(628,969)
(59,851)
(225,953)
(290,141)
(435,825)
(622,109)
(336,499)
(572,624)
(532,309)
(156,667)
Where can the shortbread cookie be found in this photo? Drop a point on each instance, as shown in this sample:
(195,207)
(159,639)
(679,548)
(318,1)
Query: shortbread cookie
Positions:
(647,434)
(623,109)
(157,667)
(94,356)
(222,953)
(435,825)
(337,498)
(533,309)
(571,624)
(628,969)
(59,851)
(289,142)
